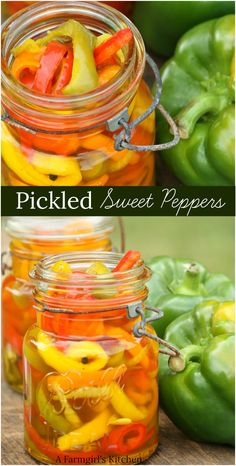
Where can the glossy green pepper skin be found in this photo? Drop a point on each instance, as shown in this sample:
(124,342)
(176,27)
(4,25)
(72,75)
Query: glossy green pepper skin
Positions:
(163,23)
(177,286)
(198,91)
(200,398)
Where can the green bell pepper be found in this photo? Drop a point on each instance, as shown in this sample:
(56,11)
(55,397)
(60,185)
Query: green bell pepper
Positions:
(163,23)
(198,92)
(177,286)
(197,391)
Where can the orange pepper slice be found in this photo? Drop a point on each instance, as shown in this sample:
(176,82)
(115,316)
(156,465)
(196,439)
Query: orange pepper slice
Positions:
(110,47)
(134,348)
(101,181)
(106,73)
(25,61)
(104,144)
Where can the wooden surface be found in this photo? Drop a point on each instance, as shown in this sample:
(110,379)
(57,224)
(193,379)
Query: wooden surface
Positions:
(174,447)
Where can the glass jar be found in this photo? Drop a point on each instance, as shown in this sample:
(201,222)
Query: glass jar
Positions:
(33,238)
(91,394)
(69,140)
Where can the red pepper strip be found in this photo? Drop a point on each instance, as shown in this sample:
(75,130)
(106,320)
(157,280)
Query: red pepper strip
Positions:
(110,47)
(124,439)
(27,78)
(13,7)
(127,262)
(48,450)
(65,72)
(26,143)
(13,338)
(49,63)
(150,434)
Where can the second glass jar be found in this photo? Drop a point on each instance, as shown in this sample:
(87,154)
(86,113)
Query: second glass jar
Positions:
(31,239)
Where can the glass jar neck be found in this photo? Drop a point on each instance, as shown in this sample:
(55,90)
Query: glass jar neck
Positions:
(35,238)
(35,250)
(81,292)
(79,111)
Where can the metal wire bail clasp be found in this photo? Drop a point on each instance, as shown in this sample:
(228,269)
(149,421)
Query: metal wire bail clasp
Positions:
(122,140)
(139,330)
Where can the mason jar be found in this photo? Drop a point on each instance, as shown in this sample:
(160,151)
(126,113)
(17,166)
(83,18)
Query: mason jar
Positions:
(90,365)
(31,239)
(68,140)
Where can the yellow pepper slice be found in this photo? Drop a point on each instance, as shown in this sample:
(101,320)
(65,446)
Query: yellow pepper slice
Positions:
(91,354)
(92,165)
(116,165)
(98,268)
(29,45)
(124,406)
(89,432)
(132,347)
(61,266)
(47,410)
(116,359)
(121,421)
(58,360)
(69,413)
(18,163)
(88,392)
(54,164)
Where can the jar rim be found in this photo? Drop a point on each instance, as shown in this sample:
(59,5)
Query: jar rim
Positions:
(133,282)
(103,94)
(78,261)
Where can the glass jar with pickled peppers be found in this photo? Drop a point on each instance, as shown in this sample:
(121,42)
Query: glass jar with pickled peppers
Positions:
(72,90)
(90,377)
(31,239)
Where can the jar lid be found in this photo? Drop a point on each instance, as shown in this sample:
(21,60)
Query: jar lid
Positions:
(56,228)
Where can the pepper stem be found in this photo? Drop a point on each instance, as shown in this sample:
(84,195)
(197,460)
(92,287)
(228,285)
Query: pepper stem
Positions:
(191,352)
(191,284)
(199,106)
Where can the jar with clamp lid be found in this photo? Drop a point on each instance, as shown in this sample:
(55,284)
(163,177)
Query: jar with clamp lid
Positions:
(31,239)
(97,136)
(91,363)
